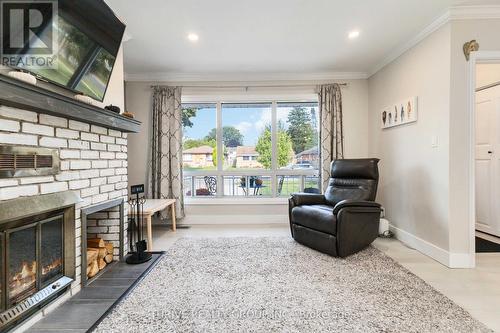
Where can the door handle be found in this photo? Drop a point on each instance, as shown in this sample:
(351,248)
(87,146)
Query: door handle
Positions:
(490,152)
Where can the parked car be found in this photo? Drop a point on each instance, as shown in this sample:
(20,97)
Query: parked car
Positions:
(302,165)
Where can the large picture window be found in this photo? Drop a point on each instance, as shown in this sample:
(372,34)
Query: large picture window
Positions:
(267,149)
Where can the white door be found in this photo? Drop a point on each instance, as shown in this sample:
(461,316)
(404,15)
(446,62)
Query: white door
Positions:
(488,160)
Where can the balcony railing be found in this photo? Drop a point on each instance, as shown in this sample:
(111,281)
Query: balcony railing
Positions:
(261,183)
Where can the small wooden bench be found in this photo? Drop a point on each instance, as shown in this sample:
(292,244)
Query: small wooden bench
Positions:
(152,206)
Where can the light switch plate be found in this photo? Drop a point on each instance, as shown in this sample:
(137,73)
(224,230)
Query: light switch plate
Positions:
(434,141)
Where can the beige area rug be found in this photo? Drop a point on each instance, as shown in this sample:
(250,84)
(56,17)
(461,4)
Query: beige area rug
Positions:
(278,285)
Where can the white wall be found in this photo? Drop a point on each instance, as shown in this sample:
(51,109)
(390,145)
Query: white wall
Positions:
(414,175)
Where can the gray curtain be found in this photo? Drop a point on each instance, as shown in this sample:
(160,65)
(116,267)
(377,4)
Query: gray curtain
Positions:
(165,167)
(331,130)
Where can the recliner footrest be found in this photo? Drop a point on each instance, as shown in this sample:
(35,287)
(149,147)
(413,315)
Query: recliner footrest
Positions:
(315,239)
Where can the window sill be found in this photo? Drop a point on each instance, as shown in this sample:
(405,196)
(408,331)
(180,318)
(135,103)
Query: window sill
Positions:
(236,201)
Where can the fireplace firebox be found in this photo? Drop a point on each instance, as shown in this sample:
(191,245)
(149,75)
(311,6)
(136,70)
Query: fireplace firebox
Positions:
(37,253)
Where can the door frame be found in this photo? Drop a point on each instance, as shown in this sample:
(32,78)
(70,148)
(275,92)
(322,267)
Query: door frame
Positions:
(480,57)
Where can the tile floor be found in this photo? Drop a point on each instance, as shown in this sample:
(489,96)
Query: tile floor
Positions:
(477,290)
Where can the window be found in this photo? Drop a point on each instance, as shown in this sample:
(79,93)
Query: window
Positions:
(268,149)
(199,137)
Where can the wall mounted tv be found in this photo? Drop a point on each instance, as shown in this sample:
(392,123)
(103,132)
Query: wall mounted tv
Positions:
(89,37)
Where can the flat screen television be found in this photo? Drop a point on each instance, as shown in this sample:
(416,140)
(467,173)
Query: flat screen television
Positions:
(89,37)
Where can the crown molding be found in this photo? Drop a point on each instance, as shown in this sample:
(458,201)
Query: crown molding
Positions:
(454,13)
(475,12)
(397,52)
(244,77)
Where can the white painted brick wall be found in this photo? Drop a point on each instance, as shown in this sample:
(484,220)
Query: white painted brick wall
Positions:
(98,129)
(53,187)
(78,144)
(8,182)
(107,139)
(35,180)
(78,184)
(14,113)
(99,164)
(67,133)
(98,146)
(18,139)
(79,126)
(89,173)
(53,142)
(45,119)
(107,155)
(90,137)
(64,153)
(7,193)
(93,164)
(79,165)
(38,129)
(90,154)
(9,125)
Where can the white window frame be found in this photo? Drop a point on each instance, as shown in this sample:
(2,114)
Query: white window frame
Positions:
(273,173)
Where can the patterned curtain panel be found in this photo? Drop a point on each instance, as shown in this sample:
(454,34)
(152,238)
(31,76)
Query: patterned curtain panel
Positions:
(165,171)
(331,131)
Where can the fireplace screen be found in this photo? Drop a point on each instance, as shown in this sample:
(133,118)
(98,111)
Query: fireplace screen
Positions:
(52,250)
(22,263)
(33,255)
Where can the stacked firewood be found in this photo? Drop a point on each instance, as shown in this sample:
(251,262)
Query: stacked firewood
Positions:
(99,254)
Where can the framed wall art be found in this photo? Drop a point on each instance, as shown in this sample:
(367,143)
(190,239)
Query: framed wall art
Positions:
(401,113)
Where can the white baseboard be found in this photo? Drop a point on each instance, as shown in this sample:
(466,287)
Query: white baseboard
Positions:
(235,219)
(449,259)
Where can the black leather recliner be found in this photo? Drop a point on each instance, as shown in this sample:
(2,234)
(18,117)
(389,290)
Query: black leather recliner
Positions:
(345,219)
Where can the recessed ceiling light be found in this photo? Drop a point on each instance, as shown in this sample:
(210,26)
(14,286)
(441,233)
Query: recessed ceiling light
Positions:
(193,37)
(353,34)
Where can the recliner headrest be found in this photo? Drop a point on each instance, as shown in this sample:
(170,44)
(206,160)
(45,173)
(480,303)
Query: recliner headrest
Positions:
(363,168)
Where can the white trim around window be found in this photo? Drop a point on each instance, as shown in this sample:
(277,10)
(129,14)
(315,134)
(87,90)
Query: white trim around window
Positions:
(274,173)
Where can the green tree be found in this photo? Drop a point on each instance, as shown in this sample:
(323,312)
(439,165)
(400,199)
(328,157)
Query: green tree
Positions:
(187,114)
(193,143)
(231,136)
(301,132)
(264,147)
(214,156)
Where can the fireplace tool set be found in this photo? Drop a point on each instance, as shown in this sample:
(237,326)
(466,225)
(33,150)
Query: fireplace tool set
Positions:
(137,243)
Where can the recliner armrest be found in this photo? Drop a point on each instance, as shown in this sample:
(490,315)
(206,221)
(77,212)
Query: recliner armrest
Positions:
(300,199)
(354,203)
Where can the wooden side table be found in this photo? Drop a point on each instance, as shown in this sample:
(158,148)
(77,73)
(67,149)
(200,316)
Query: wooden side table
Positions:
(152,206)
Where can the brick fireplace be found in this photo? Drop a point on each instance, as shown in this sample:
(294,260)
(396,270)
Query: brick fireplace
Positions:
(93,166)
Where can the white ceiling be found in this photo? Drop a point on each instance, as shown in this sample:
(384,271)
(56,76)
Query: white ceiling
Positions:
(269,36)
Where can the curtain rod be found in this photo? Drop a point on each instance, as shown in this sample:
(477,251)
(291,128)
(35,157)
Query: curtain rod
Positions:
(250,86)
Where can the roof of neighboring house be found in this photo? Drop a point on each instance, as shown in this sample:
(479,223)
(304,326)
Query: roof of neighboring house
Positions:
(199,150)
(311,151)
(246,150)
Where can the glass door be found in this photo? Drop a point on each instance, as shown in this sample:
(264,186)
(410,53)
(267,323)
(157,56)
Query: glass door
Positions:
(21,262)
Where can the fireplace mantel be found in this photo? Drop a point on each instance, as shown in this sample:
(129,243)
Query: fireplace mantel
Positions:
(25,96)
(23,207)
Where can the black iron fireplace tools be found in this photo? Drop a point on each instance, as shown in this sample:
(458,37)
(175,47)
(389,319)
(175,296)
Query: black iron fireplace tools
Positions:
(137,244)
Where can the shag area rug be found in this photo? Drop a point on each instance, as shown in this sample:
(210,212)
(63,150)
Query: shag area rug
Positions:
(278,285)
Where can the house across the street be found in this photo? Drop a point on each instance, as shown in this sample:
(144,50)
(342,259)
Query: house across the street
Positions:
(198,157)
